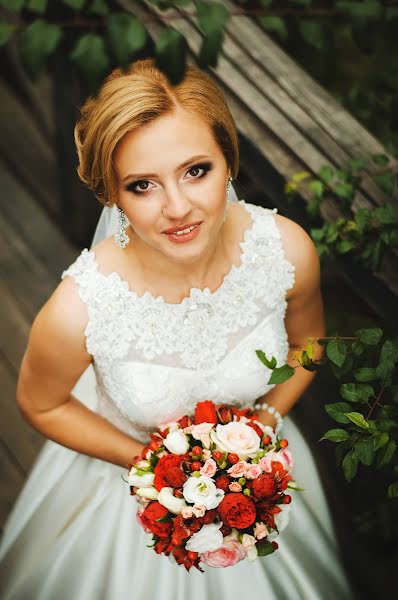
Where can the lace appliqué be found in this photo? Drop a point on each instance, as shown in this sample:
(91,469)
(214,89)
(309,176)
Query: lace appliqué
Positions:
(198,328)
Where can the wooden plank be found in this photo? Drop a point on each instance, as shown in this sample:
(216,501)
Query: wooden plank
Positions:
(11,482)
(23,442)
(14,326)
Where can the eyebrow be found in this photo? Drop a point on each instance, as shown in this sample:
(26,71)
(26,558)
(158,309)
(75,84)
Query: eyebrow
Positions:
(184,164)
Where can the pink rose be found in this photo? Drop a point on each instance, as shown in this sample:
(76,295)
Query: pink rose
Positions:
(209,468)
(260,531)
(206,453)
(238,469)
(199,510)
(265,463)
(235,486)
(201,432)
(253,471)
(284,456)
(229,554)
(187,512)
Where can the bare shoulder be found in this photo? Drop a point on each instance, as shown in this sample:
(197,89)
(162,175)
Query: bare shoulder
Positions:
(301,252)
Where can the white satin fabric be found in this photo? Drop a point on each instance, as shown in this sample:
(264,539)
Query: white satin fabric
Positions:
(73,534)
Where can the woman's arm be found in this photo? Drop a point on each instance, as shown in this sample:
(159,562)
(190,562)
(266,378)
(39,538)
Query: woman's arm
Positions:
(304,316)
(55,358)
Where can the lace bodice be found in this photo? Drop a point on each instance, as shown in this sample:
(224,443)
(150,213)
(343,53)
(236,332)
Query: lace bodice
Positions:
(154,360)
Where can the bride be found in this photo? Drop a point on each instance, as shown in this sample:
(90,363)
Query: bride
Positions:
(144,325)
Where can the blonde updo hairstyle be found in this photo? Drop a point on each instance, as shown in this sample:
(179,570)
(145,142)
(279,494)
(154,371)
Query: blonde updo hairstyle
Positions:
(132,98)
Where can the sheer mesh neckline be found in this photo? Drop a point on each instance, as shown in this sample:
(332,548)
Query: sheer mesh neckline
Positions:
(195,293)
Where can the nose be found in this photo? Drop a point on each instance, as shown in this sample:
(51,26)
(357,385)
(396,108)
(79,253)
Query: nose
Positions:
(176,203)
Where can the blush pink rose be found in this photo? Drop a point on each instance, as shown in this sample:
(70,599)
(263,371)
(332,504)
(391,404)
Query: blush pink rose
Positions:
(238,469)
(253,471)
(209,468)
(229,554)
(235,486)
(206,453)
(284,456)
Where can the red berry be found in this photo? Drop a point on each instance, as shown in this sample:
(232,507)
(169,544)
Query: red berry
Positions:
(217,454)
(287,499)
(233,458)
(283,443)
(275,545)
(267,440)
(153,445)
(197,450)
(196,465)
(192,555)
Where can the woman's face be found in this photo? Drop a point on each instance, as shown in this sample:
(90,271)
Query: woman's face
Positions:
(171,173)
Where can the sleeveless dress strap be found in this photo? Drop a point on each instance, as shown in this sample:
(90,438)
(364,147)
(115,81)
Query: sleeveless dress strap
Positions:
(84,271)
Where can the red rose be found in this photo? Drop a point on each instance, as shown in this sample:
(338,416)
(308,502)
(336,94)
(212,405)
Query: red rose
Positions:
(266,511)
(163,467)
(208,517)
(237,510)
(184,422)
(175,477)
(225,413)
(264,486)
(256,428)
(223,482)
(149,517)
(205,412)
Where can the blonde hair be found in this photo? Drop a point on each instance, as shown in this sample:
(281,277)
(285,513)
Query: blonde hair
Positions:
(132,98)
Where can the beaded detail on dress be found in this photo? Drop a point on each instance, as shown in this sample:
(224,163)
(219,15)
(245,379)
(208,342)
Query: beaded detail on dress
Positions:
(149,354)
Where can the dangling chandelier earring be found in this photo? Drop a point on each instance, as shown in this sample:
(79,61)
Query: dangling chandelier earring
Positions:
(121,238)
(229,185)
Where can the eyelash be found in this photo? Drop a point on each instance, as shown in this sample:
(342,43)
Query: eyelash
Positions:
(206,167)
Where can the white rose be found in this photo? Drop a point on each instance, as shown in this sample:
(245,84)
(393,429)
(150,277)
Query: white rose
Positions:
(202,490)
(169,501)
(238,438)
(144,480)
(176,442)
(206,539)
(252,553)
(148,492)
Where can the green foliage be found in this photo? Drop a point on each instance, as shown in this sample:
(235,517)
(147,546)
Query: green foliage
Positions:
(368,409)
(365,235)
(171,53)
(126,35)
(37,42)
(91,58)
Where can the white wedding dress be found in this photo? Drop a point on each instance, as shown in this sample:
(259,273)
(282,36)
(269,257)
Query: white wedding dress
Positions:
(73,534)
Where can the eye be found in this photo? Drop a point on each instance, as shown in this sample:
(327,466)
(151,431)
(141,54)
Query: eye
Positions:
(195,170)
(138,187)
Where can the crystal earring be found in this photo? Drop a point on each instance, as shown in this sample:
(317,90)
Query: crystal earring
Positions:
(229,185)
(121,238)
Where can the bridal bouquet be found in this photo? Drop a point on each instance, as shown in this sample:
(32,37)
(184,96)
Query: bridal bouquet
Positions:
(212,488)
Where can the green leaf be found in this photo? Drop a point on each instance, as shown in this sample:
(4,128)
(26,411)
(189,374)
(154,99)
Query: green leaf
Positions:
(37,6)
(366,8)
(357,348)
(210,49)
(212,17)
(385,181)
(326,173)
(6,31)
(36,43)
(358,419)
(385,214)
(339,372)
(75,4)
(337,411)
(171,54)
(362,218)
(317,187)
(392,491)
(350,465)
(356,392)
(380,159)
(385,371)
(90,56)
(274,25)
(99,7)
(365,374)
(335,435)
(264,548)
(271,364)
(345,246)
(126,36)
(312,32)
(386,453)
(336,351)
(364,449)
(12,5)
(381,439)
(281,374)
(356,164)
